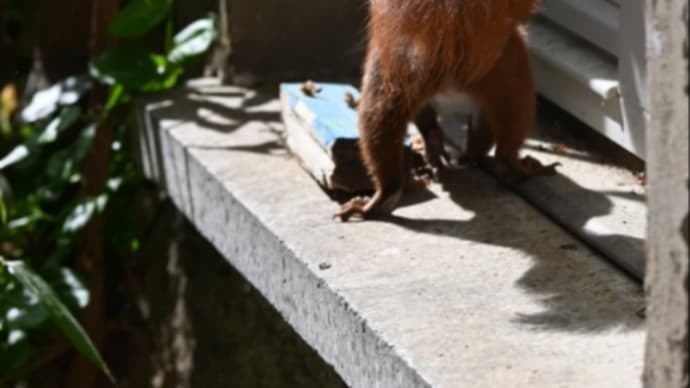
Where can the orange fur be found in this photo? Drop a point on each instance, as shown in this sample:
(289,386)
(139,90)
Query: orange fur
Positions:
(418,48)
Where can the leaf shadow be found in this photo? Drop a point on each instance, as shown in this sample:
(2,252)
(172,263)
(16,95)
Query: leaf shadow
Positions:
(223,111)
(570,290)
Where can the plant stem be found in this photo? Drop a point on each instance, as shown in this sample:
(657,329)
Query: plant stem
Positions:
(91,260)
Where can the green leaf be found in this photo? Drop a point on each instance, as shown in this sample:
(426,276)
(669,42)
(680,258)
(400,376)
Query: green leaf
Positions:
(45,102)
(21,222)
(3,211)
(69,326)
(83,143)
(83,213)
(68,117)
(138,18)
(67,286)
(27,317)
(135,68)
(15,156)
(169,26)
(116,95)
(63,164)
(5,188)
(193,40)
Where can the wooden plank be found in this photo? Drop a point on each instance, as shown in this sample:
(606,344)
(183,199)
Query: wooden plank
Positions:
(326,114)
(667,157)
(321,131)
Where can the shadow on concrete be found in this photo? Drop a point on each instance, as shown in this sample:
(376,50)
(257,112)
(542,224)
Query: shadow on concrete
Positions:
(572,295)
(273,147)
(626,194)
(192,105)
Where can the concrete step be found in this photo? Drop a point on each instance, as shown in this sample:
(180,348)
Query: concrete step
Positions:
(467,286)
(592,197)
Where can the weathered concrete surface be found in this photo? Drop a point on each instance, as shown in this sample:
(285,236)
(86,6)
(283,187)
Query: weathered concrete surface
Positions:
(668,278)
(192,340)
(593,198)
(602,204)
(467,286)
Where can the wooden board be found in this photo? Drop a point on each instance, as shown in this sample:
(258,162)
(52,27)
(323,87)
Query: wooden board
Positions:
(321,131)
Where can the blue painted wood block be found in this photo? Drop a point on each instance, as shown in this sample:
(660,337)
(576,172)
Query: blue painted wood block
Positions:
(326,113)
(321,131)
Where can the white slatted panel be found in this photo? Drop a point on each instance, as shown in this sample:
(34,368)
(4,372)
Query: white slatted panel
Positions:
(589,58)
(597,21)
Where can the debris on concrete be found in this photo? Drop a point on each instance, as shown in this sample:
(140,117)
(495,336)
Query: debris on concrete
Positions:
(310,88)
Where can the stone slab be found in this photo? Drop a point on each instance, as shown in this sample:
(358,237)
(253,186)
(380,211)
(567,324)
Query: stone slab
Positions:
(593,196)
(466,286)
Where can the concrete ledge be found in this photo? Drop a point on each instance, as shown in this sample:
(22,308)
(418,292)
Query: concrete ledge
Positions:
(603,205)
(467,286)
(592,197)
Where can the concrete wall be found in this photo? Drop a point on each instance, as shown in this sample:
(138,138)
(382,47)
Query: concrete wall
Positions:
(297,37)
(207,326)
(667,279)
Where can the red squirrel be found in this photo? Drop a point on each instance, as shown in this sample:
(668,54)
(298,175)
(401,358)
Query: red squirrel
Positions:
(420,49)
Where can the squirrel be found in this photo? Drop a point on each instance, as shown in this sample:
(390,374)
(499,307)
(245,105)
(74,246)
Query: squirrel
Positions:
(421,49)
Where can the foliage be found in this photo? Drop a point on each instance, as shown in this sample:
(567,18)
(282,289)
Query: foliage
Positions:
(42,209)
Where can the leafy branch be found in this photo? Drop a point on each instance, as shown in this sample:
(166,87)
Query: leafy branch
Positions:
(41,208)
